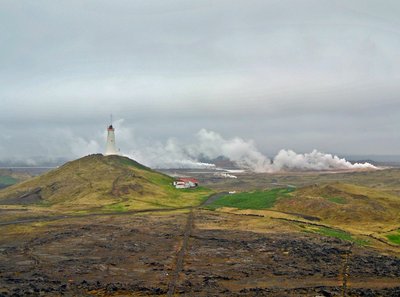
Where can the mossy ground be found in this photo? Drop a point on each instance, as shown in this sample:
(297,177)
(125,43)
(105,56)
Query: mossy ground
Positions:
(337,234)
(394,237)
(251,200)
(344,211)
(338,200)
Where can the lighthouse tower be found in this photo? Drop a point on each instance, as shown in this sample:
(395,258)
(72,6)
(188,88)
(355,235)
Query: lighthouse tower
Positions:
(110,146)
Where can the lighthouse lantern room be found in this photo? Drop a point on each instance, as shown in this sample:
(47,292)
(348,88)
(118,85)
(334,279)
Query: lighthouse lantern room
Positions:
(110,146)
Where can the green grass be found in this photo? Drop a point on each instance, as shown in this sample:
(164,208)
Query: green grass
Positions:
(118,207)
(160,179)
(44,203)
(394,238)
(339,234)
(338,200)
(130,162)
(251,200)
(191,190)
(7,180)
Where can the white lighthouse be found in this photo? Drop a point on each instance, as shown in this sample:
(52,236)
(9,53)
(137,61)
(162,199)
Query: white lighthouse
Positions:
(110,146)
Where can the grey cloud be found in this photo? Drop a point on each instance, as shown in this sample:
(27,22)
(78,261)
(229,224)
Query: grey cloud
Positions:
(288,74)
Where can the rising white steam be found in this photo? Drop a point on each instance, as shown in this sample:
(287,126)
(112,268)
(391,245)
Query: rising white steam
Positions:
(170,155)
(207,145)
(289,160)
(244,153)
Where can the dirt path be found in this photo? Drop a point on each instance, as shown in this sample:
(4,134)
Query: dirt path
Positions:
(185,243)
(212,198)
(181,254)
(346,270)
(188,232)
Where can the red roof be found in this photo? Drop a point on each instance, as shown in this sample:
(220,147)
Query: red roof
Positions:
(188,179)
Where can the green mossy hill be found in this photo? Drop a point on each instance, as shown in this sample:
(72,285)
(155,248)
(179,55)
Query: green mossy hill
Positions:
(344,203)
(101,182)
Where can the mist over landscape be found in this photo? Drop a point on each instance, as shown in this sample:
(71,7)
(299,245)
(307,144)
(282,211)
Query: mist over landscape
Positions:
(206,144)
(244,154)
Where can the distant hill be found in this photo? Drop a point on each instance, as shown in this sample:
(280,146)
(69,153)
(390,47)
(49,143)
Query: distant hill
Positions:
(113,183)
(345,205)
(221,161)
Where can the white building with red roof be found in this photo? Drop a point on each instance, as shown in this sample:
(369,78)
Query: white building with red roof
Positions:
(186,183)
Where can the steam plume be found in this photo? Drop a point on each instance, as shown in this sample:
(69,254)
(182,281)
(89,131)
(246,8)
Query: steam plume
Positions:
(289,160)
(207,145)
(244,153)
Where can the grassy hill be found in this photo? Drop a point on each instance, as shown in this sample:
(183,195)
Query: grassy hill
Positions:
(336,203)
(97,182)
(356,213)
(345,204)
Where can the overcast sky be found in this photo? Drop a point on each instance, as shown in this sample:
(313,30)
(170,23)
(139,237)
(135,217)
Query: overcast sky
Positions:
(288,74)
